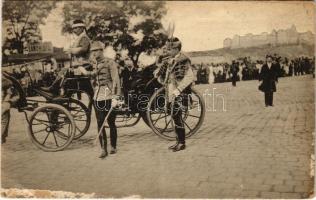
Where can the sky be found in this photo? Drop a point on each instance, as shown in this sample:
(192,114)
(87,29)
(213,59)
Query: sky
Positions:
(203,25)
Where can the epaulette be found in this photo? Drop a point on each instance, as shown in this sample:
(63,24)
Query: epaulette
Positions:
(182,58)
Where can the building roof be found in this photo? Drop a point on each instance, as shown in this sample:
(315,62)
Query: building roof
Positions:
(22,58)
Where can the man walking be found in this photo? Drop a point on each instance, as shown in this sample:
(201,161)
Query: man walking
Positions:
(269,77)
(234,70)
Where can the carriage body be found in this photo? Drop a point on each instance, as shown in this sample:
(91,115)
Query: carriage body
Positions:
(54,121)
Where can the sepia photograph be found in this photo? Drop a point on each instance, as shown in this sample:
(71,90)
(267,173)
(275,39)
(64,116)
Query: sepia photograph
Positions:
(158,99)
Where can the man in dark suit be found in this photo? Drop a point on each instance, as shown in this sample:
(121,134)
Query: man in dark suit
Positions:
(269,77)
(234,70)
(128,75)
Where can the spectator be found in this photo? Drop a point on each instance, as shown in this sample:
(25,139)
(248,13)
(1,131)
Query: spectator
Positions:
(269,77)
(128,75)
(249,70)
(234,71)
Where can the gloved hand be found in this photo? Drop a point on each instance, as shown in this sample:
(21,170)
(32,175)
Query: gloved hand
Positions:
(114,102)
(81,70)
(176,92)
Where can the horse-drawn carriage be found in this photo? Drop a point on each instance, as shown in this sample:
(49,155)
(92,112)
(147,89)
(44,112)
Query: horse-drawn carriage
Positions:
(62,117)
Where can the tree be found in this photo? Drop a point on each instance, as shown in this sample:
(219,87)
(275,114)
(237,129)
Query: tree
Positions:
(21,20)
(129,25)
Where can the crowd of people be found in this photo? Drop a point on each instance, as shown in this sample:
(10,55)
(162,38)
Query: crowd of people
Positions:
(241,69)
(247,69)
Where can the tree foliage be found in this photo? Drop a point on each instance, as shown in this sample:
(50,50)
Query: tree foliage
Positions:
(21,20)
(130,25)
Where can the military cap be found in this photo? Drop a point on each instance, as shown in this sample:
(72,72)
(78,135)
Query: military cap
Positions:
(174,43)
(96,45)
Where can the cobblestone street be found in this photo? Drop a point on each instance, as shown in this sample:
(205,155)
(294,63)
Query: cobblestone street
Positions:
(242,150)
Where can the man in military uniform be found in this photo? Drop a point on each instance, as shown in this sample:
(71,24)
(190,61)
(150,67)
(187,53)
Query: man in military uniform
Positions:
(178,86)
(106,91)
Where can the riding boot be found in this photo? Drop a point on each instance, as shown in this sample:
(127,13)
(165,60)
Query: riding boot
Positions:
(181,135)
(113,150)
(174,145)
(179,147)
(103,143)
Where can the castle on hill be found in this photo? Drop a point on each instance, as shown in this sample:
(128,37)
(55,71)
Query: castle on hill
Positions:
(275,38)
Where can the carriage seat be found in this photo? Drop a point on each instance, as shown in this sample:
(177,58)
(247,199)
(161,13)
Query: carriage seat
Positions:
(46,94)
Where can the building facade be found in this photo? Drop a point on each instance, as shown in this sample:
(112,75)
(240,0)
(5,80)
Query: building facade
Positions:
(279,37)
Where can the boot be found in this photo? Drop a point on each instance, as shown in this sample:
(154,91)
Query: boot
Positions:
(173,146)
(103,154)
(113,150)
(179,147)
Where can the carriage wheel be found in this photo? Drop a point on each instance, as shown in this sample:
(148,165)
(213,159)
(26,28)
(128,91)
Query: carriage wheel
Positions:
(47,123)
(144,117)
(81,115)
(160,121)
(82,96)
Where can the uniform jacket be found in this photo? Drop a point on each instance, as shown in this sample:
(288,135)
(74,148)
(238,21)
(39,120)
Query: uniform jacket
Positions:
(269,77)
(80,50)
(107,81)
(181,75)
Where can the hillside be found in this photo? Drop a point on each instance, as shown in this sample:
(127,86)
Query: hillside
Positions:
(226,55)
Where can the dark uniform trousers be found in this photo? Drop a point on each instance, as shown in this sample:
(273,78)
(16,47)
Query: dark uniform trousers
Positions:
(178,120)
(85,85)
(101,110)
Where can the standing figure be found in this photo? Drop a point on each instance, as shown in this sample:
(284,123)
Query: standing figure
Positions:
(128,75)
(107,89)
(269,77)
(291,68)
(178,86)
(234,71)
(211,73)
(9,97)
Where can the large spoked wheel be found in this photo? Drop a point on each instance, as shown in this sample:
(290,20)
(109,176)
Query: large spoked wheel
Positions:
(47,123)
(82,96)
(80,113)
(160,120)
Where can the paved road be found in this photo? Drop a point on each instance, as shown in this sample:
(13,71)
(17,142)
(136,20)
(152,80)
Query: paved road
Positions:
(243,151)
